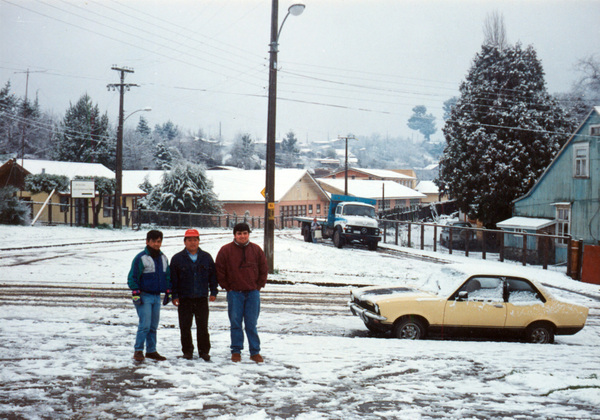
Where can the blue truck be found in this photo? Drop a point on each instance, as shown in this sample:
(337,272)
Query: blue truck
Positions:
(349,220)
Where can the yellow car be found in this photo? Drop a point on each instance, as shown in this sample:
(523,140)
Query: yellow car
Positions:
(468,301)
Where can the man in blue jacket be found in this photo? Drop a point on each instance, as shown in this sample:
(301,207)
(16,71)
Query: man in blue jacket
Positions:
(148,278)
(194,278)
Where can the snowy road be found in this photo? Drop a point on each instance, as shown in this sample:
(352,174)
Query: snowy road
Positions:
(67,327)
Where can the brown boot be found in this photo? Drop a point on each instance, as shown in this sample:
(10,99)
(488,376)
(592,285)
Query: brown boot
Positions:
(155,356)
(236,357)
(138,356)
(257,358)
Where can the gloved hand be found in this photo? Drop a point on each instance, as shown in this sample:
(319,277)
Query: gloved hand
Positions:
(136,297)
(168,297)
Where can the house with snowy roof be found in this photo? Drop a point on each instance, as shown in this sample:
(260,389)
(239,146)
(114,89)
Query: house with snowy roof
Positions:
(431,191)
(389,194)
(62,207)
(240,191)
(376,174)
(565,200)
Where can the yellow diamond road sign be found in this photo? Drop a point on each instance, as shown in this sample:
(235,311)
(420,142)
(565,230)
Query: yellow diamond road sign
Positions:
(263,192)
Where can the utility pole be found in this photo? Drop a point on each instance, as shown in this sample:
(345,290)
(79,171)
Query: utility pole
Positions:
(117,207)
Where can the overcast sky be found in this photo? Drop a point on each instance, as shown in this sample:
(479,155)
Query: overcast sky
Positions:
(345,66)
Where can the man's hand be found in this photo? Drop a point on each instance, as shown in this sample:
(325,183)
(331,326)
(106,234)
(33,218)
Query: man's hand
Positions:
(176,302)
(212,298)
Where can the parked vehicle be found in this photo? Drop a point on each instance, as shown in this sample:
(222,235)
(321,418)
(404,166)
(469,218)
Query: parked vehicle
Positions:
(349,220)
(469,302)
(456,233)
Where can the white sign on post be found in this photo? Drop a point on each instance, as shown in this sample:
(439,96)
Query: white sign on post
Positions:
(83,189)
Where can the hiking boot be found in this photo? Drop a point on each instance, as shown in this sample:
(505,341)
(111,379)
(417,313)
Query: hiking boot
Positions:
(205,357)
(236,357)
(155,356)
(188,356)
(257,358)
(138,356)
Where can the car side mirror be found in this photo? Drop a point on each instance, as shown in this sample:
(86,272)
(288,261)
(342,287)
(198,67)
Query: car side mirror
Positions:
(463,295)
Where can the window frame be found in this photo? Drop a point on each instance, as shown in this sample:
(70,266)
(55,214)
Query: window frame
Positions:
(581,164)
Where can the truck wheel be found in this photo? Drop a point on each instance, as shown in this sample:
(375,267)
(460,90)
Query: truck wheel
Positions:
(338,240)
(372,246)
(306,234)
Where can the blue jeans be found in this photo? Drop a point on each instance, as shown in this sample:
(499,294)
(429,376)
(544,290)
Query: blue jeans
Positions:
(149,314)
(244,306)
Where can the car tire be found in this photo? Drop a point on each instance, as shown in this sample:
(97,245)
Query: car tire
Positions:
(338,240)
(540,333)
(410,328)
(372,246)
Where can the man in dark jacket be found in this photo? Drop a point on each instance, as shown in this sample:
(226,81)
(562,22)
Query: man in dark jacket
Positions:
(193,273)
(148,278)
(242,270)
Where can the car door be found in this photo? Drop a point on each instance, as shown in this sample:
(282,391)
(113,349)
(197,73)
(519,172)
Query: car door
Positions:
(525,303)
(480,305)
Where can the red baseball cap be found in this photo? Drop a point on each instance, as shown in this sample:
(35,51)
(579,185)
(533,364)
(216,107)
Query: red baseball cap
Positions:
(191,233)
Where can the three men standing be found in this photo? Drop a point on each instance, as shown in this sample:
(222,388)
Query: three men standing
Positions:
(242,271)
(194,284)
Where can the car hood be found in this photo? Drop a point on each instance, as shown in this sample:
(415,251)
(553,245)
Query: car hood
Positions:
(377,294)
(360,221)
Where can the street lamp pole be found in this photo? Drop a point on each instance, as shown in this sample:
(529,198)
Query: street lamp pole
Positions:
(295,9)
(349,136)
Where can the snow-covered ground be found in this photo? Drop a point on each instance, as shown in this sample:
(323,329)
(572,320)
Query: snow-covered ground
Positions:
(67,328)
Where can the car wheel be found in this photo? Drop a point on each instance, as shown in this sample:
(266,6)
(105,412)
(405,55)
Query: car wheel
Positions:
(372,246)
(338,241)
(540,334)
(410,328)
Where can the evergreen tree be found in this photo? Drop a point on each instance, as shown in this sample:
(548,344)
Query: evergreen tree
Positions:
(163,157)
(83,135)
(167,131)
(12,210)
(37,183)
(185,188)
(143,128)
(9,130)
(502,133)
(422,121)
(243,154)
(289,152)
(448,104)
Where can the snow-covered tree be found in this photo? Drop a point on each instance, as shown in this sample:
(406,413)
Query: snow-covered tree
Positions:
(37,183)
(243,153)
(422,122)
(9,130)
(502,133)
(143,128)
(167,131)
(162,157)
(12,210)
(289,152)
(83,135)
(185,188)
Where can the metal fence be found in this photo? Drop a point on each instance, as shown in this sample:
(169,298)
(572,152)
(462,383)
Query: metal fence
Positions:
(527,248)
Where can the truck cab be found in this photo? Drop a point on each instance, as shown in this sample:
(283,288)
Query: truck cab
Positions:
(353,222)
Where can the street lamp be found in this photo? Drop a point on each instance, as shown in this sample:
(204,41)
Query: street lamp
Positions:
(117,207)
(294,10)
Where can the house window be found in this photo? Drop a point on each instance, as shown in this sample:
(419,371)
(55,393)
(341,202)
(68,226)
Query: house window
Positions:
(563,222)
(519,237)
(581,161)
(107,203)
(595,130)
(310,208)
(64,203)
(318,208)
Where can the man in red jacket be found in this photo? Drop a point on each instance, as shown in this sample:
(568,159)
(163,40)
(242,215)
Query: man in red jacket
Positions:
(242,271)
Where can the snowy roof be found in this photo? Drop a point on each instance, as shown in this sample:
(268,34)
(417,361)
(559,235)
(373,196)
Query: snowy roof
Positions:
(382,173)
(68,169)
(234,184)
(133,179)
(427,187)
(525,223)
(431,167)
(372,188)
(73,169)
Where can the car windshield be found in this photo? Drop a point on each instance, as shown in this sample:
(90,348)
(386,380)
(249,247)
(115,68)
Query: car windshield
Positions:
(357,210)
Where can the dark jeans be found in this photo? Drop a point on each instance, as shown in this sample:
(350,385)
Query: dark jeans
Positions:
(188,309)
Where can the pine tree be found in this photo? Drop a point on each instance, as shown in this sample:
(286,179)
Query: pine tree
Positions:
(9,130)
(162,157)
(83,135)
(243,154)
(143,128)
(185,188)
(422,122)
(502,133)
(289,152)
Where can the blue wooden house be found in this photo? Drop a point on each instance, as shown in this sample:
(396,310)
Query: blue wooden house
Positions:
(567,194)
